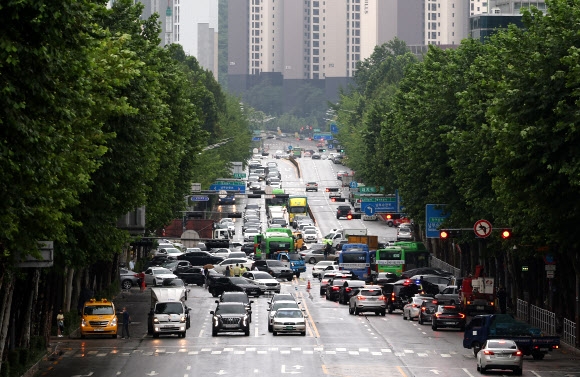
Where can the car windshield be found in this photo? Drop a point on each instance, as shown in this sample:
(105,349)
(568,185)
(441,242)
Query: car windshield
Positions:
(505,344)
(252,230)
(310,231)
(370,292)
(160,271)
(98,309)
(238,280)
(262,275)
(284,304)
(173,283)
(275,263)
(289,314)
(169,308)
(230,309)
(234,298)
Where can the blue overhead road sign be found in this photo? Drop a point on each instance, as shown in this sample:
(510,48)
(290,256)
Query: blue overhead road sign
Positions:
(379,205)
(434,217)
(353,184)
(334,129)
(369,210)
(256,138)
(199,198)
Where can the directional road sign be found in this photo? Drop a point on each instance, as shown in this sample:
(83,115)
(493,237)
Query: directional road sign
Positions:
(482,228)
(367,190)
(199,198)
(333,128)
(434,217)
(239,175)
(353,184)
(369,210)
(379,204)
(322,136)
(256,138)
(225,185)
(330,146)
(290,147)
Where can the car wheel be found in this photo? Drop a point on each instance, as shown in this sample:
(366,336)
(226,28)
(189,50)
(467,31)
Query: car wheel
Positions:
(83,336)
(538,356)
(114,336)
(214,294)
(518,372)
(452,302)
(404,315)
(391,308)
(247,332)
(289,279)
(420,320)
(312,260)
(303,333)
(356,311)
(390,224)
(476,346)
(275,333)
(214,332)
(434,327)
(383,313)
(478,368)
(126,284)
(350,310)
(183,334)
(156,336)
(269,328)
(482,370)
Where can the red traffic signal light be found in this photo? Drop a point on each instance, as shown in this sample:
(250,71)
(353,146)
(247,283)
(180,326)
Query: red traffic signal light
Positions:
(443,234)
(506,233)
(349,216)
(389,216)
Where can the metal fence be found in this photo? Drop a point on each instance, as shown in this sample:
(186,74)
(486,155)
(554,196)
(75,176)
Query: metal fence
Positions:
(546,321)
(438,263)
(569,332)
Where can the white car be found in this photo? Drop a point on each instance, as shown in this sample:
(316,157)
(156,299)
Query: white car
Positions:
(231,263)
(266,282)
(310,235)
(224,253)
(250,233)
(155,275)
(289,320)
(413,307)
(500,354)
(173,252)
(321,266)
(276,184)
(279,305)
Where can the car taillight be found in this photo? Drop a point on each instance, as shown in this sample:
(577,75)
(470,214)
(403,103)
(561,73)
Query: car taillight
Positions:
(361,298)
(414,305)
(517,353)
(393,296)
(348,290)
(349,216)
(488,352)
(382,298)
(461,315)
(423,309)
(335,288)
(437,315)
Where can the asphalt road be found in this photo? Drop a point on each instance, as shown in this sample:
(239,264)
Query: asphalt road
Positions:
(336,343)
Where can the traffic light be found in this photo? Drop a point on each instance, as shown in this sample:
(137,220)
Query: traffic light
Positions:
(506,233)
(443,234)
(356,215)
(331,189)
(235,215)
(195,215)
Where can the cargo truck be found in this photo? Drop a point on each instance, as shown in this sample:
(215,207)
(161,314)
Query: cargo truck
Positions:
(371,241)
(530,340)
(339,235)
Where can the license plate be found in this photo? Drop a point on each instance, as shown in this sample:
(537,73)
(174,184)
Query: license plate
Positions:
(99,330)
(480,308)
(289,328)
(450,323)
(544,349)
(228,326)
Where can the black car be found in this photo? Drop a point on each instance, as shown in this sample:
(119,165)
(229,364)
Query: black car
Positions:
(349,288)
(191,275)
(229,199)
(233,284)
(333,289)
(398,293)
(230,317)
(344,211)
(448,316)
(427,311)
(385,277)
(173,266)
(424,271)
(237,297)
(248,248)
(274,268)
(200,258)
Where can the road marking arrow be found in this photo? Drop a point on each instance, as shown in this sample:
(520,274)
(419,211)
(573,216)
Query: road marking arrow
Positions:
(153,373)
(283,370)
(435,371)
(84,375)
(221,372)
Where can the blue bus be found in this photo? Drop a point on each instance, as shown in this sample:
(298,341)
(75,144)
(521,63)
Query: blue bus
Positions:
(357,258)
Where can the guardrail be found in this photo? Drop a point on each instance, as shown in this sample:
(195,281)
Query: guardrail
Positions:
(546,320)
(295,163)
(438,263)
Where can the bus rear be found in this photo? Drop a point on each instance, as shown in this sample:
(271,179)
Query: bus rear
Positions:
(297,206)
(390,259)
(357,259)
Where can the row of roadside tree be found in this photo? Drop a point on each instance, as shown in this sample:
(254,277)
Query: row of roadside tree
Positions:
(97,120)
(491,130)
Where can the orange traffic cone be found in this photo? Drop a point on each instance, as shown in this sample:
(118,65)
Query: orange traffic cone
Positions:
(308,286)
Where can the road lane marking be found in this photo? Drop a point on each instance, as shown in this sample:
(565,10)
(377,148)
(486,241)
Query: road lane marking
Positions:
(401,371)
(467,372)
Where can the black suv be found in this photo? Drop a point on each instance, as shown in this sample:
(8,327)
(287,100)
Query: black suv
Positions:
(427,310)
(237,297)
(274,268)
(349,289)
(398,293)
(343,211)
(200,258)
(230,317)
(233,284)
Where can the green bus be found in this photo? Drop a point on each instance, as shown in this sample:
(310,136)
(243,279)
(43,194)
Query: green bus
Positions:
(402,256)
(275,240)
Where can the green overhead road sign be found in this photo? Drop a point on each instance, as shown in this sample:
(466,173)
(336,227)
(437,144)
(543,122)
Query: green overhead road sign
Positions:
(239,175)
(367,190)
(380,199)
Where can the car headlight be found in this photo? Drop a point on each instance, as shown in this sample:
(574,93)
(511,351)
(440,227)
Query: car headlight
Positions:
(83,323)
(245,320)
(216,320)
(292,264)
(155,320)
(182,319)
(114,321)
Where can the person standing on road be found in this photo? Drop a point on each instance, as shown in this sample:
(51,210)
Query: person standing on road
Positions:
(60,323)
(243,270)
(126,322)
(502,298)
(237,269)
(327,249)
(228,271)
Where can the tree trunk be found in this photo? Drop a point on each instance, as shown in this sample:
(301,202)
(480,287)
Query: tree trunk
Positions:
(5,313)
(28,310)
(68,289)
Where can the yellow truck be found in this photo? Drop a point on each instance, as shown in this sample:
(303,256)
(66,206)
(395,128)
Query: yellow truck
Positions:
(99,318)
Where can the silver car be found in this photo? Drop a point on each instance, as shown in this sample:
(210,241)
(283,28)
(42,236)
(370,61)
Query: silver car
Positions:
(286,304)
(368,300)
(413,307)
(500,354)
(289,320)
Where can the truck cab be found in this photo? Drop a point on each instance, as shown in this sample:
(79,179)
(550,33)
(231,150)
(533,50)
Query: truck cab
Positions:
(294,261)
(169,314)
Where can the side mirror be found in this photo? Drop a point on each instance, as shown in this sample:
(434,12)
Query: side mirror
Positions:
(217,301)
(249,312)
(211,312)
(251,301)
